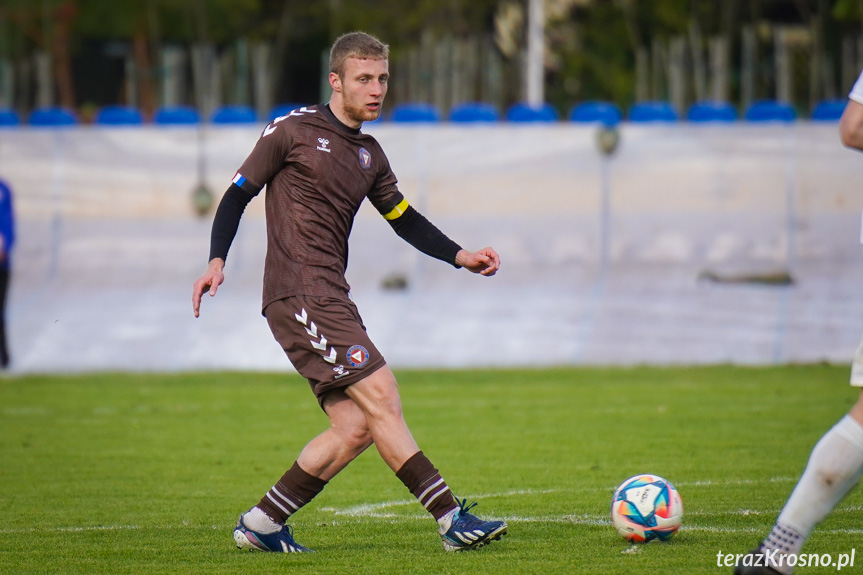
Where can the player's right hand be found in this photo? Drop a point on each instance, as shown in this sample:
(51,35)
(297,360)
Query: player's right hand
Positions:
(484,262)
(209,281)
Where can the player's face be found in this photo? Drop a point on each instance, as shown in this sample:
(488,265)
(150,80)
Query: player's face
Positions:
(362,89)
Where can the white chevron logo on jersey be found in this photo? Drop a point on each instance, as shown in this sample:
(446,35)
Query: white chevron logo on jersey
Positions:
(271,127)
(301,111)
(297,112)
(319,343)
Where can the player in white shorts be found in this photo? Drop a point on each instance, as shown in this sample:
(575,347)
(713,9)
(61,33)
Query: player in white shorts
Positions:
(836,461)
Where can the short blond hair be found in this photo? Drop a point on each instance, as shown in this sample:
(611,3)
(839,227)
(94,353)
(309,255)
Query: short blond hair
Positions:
(356,45)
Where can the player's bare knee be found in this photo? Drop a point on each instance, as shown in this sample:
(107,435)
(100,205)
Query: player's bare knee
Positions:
(358,439)
(378,396)
(385,409)
(387,403)
(393,410)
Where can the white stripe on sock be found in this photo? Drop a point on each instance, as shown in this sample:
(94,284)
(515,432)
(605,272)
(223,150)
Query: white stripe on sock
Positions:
(435,496)
(284,497)
(426,492)
(277,504)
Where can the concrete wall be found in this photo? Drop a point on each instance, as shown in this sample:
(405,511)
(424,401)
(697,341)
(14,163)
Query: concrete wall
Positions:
(604,260)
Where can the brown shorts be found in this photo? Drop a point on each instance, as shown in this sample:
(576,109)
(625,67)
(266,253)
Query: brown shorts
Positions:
(325,339)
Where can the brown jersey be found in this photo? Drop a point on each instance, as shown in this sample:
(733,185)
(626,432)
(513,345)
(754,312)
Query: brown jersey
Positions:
(317,172)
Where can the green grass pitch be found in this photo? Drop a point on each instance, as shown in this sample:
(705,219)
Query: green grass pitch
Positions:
(146,473)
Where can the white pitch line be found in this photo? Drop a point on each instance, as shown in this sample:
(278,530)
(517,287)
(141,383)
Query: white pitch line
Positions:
(711,483)
(371,508)
(86,528)
(587,520)
(591,521)
(374,511)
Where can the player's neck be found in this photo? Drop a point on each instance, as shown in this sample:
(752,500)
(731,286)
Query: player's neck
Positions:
(339,112)
(329,114)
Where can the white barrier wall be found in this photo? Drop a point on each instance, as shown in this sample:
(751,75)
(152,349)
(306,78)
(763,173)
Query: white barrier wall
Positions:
(601,257)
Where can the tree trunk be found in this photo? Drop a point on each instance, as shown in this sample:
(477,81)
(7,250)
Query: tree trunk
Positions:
(60,48)
(144,69)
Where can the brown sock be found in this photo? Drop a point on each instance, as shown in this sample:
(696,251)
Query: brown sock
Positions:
(292,491)
(426,484)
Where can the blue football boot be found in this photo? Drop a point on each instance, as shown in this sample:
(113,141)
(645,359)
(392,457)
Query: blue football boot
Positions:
(282,541)
(467,531)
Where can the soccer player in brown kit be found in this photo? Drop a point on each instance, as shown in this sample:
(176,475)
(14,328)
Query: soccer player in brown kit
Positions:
(318,167)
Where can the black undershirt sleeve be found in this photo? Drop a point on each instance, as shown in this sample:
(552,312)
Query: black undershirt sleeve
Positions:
(227,221)
(416,230)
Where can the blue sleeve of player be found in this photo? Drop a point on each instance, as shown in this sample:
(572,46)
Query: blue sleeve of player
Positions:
(7,220)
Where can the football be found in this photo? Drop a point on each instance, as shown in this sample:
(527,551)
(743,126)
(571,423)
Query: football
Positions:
(646,507)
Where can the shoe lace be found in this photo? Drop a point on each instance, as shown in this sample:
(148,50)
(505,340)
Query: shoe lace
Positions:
(463,506)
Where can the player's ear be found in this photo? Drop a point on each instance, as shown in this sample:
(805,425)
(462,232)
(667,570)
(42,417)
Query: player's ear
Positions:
(335,82)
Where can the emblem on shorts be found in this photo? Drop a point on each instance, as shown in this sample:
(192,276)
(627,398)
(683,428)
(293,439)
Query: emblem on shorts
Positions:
(358,356)
(365,158)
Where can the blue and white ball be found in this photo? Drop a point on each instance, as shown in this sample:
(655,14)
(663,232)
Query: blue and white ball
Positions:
(646,507)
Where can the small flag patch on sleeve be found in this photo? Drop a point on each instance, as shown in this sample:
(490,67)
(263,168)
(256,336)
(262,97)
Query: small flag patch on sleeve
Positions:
(239,179)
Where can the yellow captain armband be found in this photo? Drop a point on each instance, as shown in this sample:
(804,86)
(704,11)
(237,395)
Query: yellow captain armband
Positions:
(397,211)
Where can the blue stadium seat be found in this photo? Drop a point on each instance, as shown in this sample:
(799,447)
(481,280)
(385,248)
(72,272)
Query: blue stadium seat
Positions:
(176,116)
(415,112)
(8,118)
(829,110)
(118,116)
(770,111)
(234,115)
(605,113)
(283,110)
(523,112)
(472,112)
(52,117)
(711,111)
(646,112)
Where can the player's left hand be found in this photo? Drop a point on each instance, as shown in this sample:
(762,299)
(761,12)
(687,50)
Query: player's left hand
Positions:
(484,262)
(209,281)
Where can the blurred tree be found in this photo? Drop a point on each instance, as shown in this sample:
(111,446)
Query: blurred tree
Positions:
(146,24)
(60,27)
(594,45)
(302,32)
(591,49)
(63,16)
(400,24)
(45,28)
(848,11)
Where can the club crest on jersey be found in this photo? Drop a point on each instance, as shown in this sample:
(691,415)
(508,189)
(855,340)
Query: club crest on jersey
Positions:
(365,158)
(357,356)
